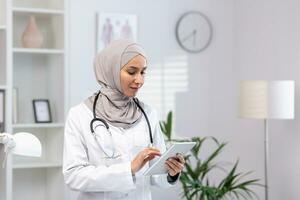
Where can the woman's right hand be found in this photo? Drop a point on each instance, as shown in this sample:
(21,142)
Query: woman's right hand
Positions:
(142,158)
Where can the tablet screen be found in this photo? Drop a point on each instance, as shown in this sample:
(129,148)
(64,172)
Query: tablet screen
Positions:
(159,166)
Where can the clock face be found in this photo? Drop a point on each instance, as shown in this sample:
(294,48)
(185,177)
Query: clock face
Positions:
(193,31)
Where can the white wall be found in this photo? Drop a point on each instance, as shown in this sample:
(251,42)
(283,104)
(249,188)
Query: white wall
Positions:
(157,21)
(267,47)
(207,72)
(252,40)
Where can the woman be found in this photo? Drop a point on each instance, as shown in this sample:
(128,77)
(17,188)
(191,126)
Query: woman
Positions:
(107,161)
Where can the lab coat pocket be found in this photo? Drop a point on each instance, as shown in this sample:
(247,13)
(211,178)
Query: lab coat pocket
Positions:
(111,161)
(117,195)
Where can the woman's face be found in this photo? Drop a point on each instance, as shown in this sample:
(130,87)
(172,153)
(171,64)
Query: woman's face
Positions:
(132,76)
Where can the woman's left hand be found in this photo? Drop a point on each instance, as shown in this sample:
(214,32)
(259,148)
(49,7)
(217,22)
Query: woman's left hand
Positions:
(175,165)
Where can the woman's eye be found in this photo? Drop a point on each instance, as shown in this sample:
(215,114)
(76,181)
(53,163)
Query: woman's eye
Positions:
(131,72)
(134,72)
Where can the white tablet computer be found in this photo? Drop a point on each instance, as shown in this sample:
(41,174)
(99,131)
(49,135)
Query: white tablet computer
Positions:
(159,166)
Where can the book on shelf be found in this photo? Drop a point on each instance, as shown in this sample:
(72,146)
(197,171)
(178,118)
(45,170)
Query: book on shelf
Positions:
(15,105)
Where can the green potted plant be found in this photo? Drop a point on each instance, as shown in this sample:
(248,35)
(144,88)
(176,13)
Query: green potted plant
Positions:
(166,126)
(196,182)
(195,178)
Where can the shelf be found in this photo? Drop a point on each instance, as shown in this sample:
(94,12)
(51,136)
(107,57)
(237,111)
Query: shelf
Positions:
(28,74)
(42,125)
(39,4)
(37,165)
(38,51)
(41,11)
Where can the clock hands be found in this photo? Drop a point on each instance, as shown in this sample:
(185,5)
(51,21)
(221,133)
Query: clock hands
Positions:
(194,38)
(193,35)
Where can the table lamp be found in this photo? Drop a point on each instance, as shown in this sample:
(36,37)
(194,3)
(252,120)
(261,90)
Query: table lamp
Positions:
(259,99)
(25,144)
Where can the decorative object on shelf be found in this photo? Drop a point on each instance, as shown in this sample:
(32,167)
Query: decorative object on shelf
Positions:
(32,36)
(265,100)
(25,144)
(15,105)
(114,26)
(193,31)
(2,111)
(42,113)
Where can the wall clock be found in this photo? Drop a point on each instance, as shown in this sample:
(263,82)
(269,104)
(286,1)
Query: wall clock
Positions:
(193,31)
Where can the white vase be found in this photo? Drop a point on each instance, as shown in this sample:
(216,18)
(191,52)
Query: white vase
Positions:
(32,36)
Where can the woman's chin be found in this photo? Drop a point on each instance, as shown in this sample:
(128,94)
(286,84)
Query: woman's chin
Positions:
(130,94)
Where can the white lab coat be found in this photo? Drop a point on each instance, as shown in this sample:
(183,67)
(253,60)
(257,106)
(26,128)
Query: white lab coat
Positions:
(86,168)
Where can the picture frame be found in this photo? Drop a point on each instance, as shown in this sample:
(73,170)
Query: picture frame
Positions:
(42,112)
(2,111)
(112,26)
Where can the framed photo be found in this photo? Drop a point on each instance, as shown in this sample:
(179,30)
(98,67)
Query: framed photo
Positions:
(115,26)
(2,111)
(42,113)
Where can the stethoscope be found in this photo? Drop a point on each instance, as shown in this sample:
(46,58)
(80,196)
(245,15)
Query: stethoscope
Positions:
(97,119)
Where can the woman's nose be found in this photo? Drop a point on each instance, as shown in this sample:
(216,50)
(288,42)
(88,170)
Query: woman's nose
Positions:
(139,79)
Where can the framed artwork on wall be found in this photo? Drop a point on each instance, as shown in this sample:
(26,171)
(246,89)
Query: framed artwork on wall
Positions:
(2,111)
(115,26)
(42,113)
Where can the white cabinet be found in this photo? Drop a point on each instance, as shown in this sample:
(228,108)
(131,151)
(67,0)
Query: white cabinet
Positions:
(34,73)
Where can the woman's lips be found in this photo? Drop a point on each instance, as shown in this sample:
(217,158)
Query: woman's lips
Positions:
(134,88)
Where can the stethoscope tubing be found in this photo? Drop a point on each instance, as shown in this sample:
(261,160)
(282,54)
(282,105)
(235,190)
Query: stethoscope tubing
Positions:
(95,118)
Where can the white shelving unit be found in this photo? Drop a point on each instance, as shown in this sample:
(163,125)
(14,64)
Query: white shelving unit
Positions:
(38,51)
(43,125)
(2,87)
(35,73)
(38,165)
(37,11)
(6,172)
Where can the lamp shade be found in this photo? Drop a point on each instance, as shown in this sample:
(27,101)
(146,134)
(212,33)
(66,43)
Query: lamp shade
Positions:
(260,99)
(27,144)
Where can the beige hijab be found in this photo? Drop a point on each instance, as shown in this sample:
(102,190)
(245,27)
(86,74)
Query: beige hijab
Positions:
(112,105)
